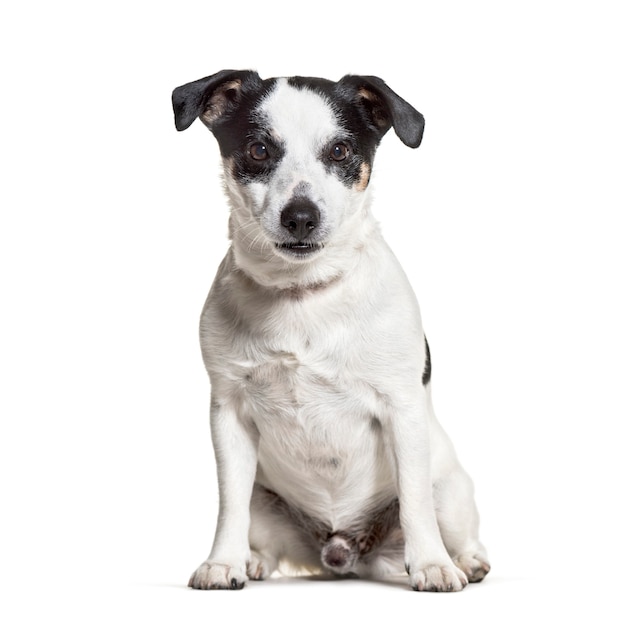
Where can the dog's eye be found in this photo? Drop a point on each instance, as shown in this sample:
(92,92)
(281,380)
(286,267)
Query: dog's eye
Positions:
(258,151)
(339,152)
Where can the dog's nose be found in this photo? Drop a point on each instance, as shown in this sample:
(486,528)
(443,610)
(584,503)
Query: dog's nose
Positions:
(300,218)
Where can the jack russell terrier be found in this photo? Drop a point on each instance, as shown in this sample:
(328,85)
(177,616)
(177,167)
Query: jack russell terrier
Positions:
(329,456)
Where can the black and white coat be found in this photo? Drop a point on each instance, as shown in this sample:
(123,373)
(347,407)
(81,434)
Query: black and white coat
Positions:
(329,455)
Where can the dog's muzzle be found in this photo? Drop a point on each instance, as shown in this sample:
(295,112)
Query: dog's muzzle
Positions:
(300,220)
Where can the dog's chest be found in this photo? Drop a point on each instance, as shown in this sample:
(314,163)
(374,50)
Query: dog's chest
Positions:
(305,397)
(321,445)
(317,378)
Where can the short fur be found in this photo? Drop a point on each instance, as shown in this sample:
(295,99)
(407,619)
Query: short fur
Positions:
(329,455)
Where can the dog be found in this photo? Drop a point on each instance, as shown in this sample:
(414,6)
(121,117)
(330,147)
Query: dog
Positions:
(329,456)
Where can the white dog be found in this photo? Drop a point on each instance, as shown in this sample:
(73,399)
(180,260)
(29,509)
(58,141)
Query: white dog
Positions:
(328,451)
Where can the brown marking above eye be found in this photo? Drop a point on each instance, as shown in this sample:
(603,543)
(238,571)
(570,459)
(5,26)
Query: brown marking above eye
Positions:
(339,152)
(258,151)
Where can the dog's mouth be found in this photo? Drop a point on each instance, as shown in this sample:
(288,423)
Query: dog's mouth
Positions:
(299,249)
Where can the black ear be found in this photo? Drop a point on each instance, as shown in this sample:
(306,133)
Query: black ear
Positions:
(387,109)
(210,97)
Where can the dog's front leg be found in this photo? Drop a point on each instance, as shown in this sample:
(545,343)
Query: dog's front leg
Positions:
(235,446)
(426,559)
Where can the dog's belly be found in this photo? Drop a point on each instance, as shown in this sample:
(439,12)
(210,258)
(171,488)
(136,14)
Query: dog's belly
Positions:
(321,447)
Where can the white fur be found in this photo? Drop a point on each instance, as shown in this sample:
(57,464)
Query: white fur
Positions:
(316,371)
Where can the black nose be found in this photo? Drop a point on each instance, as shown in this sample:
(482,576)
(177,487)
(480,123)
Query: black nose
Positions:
(300,218)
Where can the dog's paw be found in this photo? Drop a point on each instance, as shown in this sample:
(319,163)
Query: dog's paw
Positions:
(212,575)
(260,567)
(474,566)
(438,578)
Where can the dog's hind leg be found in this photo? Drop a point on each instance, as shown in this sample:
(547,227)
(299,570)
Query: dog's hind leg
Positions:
(458,520)
(275,538)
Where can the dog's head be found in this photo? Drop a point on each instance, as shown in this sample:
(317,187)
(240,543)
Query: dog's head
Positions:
(297,156)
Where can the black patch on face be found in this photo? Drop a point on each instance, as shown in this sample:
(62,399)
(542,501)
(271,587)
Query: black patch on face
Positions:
(360,133)
(427,370)
(349,170)
(365,107)
(245,167)
(237,132)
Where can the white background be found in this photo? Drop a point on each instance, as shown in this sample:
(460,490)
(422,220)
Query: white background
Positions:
(112,226)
